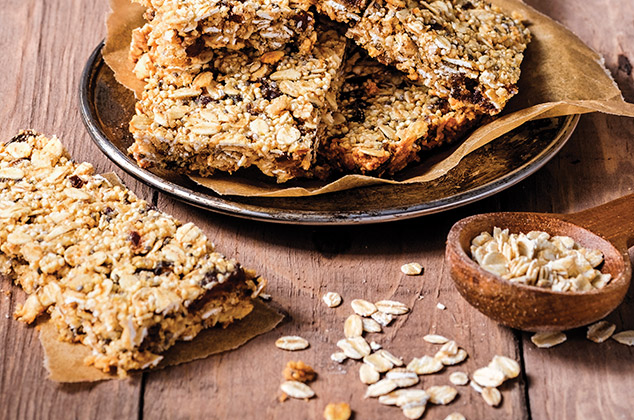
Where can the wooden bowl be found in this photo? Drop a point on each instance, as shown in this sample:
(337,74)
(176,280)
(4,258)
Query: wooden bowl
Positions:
(608,228)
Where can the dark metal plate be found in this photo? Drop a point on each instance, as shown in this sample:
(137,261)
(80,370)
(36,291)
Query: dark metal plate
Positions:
(107,107)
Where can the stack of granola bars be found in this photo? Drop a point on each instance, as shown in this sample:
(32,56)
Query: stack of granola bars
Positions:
(279,86)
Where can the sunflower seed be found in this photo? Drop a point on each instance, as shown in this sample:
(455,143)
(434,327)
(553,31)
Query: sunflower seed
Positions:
(435,339)
(295,389)
(600,331)
(459,378)
(332,299)
(509,367)
(353,327)
(382,387)
(492,396)
(370,325)
(425,365)
(412,269)
(625,337)
(368,374)
(487,376)
(363,307)
(354,348)
(545,340)
(392,307)
(441,394)
(291,343)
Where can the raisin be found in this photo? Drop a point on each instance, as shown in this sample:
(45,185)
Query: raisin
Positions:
(204,100)
(269,89)
(196,48)
(163,267)
(76,182)
(135,238)
(302,20)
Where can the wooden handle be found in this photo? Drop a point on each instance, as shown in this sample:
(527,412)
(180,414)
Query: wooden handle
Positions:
(613,220)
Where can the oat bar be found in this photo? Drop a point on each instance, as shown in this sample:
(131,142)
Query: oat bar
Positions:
(342,10)
(241,109)
(385,121)
(466,50)
(114,273)
(181,30)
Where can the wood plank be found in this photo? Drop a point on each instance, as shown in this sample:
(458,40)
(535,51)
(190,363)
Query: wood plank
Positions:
(44,47)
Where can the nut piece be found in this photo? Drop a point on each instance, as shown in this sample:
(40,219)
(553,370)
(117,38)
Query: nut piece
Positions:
(459,378)
(412,269)
(363,307)
(488,376)
(332,299)
(368,374)
(600,331)
(353,327)
(492,396)
(298,371)
(338,411)
(509,367)
(625,337)
(545,340)
(455,416)
(291,343)
(441,394)
(355,347)
(425,365)
(402,377)
(295,389)
(392,307)
(382,387)
(370,325)
(435,339)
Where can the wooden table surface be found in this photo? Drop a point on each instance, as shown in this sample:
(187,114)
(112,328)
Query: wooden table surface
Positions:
(43,48)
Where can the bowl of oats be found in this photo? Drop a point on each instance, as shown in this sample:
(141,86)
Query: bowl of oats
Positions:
(544,272)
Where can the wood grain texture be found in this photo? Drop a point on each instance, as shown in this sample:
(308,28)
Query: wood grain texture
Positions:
(45,45)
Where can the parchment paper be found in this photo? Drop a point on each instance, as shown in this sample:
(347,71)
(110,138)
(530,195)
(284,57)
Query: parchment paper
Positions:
(560,76)
(65,361)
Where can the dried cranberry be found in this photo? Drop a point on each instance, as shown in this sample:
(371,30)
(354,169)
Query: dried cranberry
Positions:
(76,182)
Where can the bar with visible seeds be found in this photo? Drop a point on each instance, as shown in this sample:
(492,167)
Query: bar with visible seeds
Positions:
(465,50)
(113,273)
(179,30)
(241,109)
(348,11)
(385,121)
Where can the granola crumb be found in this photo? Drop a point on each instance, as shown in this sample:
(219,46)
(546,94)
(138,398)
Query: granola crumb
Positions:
(299,371)
(337,411)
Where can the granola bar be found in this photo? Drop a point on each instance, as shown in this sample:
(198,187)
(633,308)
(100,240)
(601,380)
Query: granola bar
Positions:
(113,272)
(241,109)
(384,120)
(342,10)
(466,50)
(181,30)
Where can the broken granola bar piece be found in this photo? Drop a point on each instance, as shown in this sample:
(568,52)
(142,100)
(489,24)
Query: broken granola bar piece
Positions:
(385,121)
(464,50)
(241,109)
(114,273)
(342,10)
(179,31)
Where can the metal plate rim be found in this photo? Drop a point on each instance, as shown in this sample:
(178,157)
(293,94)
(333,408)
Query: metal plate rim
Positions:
(220,205)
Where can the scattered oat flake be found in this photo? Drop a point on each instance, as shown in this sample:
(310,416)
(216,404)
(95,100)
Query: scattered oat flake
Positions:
(265,296)
(291,343)
(545,340)
(332,299)
(368,374)
(363,307)
(389,356)
(414,411)
(405,397)
(298,371)
(382,387)
(600,331)
(476,387)
(392,307)
(625,337)
(375,346)
(449,360)
(492,396)
(337,411)
(370,325)
(295,389)
(488,377)
(426,365)
(455,416)
(355,347)
(450,348)
(338,357)
(441,306)
(382,318)
(435,339)
(412,269)
(353,326)
(403,377)
(441,394)
(378,362)
(459,378)
(509,367)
